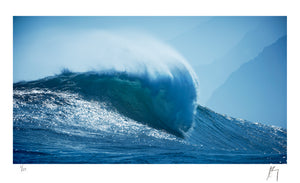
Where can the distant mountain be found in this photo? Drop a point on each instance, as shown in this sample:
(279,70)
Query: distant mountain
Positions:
(213,38)
(213,75)
(257,91)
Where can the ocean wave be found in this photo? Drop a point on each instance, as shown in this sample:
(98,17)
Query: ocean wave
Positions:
(112,116)
(162,103)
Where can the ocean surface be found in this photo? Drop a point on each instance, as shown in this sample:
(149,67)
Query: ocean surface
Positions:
(119,118)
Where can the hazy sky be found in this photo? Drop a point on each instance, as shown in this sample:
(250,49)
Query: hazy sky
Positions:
(36,39)
(201,40)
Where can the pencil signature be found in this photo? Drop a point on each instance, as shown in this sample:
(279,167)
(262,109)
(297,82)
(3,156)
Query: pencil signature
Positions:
(271,171)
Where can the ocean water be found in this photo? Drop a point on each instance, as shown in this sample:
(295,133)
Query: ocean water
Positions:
(117,117)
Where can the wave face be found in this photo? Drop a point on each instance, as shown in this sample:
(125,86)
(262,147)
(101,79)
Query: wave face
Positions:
(164,103)
(114,117)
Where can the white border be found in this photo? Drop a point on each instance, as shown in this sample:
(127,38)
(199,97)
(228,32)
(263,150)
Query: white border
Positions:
(147,173)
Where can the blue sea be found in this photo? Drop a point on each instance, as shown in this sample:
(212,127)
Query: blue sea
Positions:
(111,117)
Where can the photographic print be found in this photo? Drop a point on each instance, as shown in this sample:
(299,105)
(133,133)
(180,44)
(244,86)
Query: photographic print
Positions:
(150,90)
